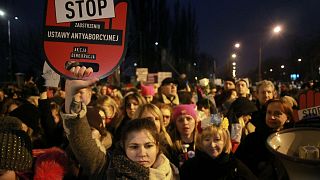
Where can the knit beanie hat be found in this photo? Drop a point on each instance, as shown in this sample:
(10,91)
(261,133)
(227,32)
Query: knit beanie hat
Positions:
(9,122)
(241,106)
(15,150)
(184,109)
(147,90)
(169,80)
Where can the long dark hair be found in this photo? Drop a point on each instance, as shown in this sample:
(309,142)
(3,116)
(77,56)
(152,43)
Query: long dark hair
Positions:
(139,125)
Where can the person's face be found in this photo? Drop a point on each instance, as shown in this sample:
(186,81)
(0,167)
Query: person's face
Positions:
(265,93)
(7,174)
(109,110)
(234,95)
(185,125)
(229,85)
(114,93)
(105,120)
(169,89)
(166,117)
(283,87)
(213,145)
(148,98)
(131,107)
(275,118)
(213,91)
(85,95)
(246,118)
(206,111)
(242,88)
(140,147)
(154,117)
(104,90)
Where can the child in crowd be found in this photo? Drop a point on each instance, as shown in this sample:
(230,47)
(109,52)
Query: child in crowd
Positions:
(183,132)
(147,91)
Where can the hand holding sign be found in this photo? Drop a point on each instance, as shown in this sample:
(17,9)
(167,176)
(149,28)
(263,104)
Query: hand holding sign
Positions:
(73,86)
(98,43)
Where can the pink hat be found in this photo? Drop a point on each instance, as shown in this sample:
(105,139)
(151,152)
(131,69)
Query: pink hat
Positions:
(147,90)
(184,109)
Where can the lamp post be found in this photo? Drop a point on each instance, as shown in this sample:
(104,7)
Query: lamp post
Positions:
(2,13)
(232,64)
(276,30)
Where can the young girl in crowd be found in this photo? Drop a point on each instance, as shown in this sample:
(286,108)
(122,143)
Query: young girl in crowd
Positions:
(252,150)
(213,159)
(183,132)
(137,157)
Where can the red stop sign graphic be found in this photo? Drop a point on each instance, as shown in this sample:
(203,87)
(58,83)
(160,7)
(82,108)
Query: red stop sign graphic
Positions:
(100,43)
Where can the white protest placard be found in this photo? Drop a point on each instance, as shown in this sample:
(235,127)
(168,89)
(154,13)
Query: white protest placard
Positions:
(163,75)
(80,10)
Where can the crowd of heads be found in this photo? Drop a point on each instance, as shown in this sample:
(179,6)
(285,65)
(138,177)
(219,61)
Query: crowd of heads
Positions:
(165,120)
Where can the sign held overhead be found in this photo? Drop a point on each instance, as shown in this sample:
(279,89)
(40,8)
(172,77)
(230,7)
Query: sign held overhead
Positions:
(86,36)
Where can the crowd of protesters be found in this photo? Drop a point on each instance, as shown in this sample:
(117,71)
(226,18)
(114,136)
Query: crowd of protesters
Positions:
(85,129)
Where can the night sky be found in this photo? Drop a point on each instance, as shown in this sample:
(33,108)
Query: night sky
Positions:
(222,23)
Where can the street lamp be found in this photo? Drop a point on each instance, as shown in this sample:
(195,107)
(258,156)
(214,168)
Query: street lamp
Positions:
(237,45)
(3,14)
(276,30)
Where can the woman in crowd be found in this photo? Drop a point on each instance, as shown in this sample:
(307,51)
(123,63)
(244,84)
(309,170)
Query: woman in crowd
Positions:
(110,110)
(213,159)
(138,155)
(130,104)
(252,150)
(152,112)
(166,111)
(183,132)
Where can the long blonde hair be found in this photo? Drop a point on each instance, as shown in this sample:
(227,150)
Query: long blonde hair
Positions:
(153,109)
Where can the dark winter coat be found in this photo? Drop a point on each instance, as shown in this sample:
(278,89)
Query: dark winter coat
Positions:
(202,166)
(254,153)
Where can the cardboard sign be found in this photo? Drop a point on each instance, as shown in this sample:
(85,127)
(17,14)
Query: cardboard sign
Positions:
(99,43)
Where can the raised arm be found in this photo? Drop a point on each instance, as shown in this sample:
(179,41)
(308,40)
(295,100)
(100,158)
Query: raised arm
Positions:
(77,128)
